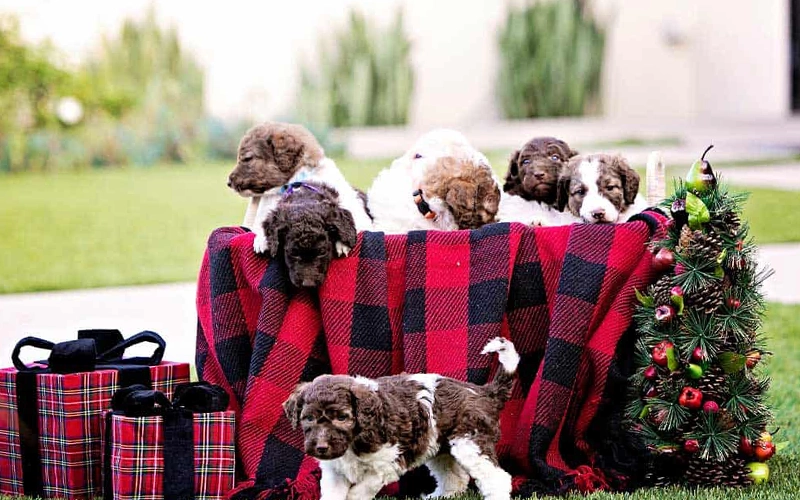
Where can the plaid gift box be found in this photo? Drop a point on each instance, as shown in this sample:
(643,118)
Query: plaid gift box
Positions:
(155,449)
(51,420)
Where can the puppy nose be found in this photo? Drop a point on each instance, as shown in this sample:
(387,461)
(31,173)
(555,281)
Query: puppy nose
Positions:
(598,213)
(322,449)
(538,175)
(230,183)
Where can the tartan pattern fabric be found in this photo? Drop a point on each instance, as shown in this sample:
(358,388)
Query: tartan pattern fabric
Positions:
(427,302)
(70,414)
(137,456)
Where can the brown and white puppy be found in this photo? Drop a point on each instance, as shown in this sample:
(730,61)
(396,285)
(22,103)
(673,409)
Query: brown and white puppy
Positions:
(456,180)
(272,155)
(531,185)
(310,228)
(367,433)
(600,188)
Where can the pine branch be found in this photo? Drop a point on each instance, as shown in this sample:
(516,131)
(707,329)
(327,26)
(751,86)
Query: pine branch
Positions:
(700,330)
(716,443)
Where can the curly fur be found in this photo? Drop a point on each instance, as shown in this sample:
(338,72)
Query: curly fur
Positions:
(457,205)
(274,154)
(270,154)
(468,189)
(306,226)
(367,433)
(533,170)
(600,188)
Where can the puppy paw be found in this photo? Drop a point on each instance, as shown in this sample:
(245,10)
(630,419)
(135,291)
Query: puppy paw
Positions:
(539,222)
(260,244)
(342,250)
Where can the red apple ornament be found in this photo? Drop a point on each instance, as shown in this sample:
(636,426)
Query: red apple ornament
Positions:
(746,446)
(710,407)
(753,357)
(764,450)
(691,446)
(733,303)
(698,354)
(663,260)
(660,352)
(691,398)
(650,373)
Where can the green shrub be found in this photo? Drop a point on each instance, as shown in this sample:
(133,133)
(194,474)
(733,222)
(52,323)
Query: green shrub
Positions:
(363,76)
(551,60)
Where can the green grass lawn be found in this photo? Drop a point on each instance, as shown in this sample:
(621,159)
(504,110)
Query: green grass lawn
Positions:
(149,225)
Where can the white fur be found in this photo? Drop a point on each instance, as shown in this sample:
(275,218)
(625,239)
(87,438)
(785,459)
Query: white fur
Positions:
(359,477)
(390,201)
(368,382)
(493,482)
(515,208)
(506,353)
(326,172)
(595,200)
(451,478)
(426,397)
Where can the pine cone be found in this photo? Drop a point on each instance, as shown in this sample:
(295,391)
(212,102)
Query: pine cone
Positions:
(660,291)
(685,239)
(732,472)
(704,246)
(712,384)
(733,221)
(709,299)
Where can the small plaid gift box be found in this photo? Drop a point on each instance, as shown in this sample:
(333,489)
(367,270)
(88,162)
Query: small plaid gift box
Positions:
(51,413)
(179,450)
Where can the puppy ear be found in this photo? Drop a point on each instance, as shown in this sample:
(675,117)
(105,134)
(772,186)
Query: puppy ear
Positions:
(293,406)
(562,190)
(368,410)
(630,179)
(275,231)
(513,181)
(342,226)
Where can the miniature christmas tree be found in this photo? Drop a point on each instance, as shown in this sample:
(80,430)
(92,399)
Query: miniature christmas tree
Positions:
(697,396)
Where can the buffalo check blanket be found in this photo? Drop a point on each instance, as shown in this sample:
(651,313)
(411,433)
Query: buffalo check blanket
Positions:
(428,302)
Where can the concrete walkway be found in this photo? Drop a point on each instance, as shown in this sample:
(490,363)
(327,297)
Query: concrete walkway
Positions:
(170,309)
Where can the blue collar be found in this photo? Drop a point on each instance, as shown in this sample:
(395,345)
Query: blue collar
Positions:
(290,188)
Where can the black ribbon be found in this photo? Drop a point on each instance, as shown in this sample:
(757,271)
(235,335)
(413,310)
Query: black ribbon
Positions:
(178,418)
(73,356)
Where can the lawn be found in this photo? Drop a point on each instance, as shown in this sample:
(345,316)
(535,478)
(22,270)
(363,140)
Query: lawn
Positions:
(149,225)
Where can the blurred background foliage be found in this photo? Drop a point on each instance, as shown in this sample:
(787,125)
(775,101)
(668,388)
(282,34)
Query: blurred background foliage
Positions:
(546,42)
(362,76)
(137,100)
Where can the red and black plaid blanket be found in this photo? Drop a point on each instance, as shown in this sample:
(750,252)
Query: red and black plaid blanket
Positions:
(428,302)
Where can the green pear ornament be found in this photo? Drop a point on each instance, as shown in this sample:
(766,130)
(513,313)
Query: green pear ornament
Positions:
(700,178)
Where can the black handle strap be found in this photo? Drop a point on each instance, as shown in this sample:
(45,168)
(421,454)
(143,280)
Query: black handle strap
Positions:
(114,355)
(29,342)
(104,339)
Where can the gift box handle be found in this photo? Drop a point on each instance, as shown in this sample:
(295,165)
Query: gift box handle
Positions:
(29,342)
(114,355)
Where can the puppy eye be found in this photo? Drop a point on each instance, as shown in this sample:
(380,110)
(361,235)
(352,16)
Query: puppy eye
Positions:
(611,188)
(526,161)
(308,418)
(417,156)
(247,156)
(555,158)
(579,192)
(341,417)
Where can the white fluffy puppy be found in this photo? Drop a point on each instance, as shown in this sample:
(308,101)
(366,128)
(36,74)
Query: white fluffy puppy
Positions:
(392,204)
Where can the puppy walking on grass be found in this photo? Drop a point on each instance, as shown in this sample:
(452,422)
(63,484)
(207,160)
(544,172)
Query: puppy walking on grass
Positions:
(367,433)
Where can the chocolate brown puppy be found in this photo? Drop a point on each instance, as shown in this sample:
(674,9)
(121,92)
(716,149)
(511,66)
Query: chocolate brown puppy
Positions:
(533,170)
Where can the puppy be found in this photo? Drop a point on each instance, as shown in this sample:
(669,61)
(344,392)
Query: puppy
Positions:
(600,188)
(530,189)
(367,433)
(310,226)
(442,169)
(275,154)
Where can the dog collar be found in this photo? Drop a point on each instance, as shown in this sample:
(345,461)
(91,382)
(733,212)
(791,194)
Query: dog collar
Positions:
(422,205)
(290,188)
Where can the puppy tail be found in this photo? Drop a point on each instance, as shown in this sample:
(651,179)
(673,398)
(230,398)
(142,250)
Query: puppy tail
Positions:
(500,387)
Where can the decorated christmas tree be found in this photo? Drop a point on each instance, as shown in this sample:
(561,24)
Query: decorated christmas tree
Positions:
(698,395)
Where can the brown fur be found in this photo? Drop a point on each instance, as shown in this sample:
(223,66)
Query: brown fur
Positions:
(270,154)
(305,226)
(616,181)
(337,412)
(467,188)
(534,170)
